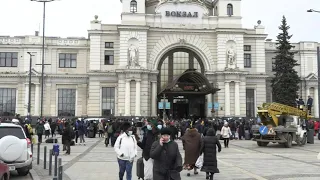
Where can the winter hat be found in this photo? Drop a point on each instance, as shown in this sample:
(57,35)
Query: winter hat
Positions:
(153,122)
(125,126)
(165,131)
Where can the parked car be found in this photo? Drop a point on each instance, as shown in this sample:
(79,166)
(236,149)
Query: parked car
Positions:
(4,171)
(15,148)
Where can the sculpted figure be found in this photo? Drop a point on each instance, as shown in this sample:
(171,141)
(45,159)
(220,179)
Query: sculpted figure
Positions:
(231,56)
(133,55)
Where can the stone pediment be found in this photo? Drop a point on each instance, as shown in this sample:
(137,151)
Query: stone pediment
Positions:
(33,72)
(311,77)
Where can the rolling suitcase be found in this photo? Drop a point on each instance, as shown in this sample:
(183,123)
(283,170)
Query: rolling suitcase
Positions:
(140,168)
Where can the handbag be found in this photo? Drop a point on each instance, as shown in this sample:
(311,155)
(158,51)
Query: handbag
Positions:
(199,162)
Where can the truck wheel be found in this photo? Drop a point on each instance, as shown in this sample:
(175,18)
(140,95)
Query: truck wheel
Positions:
(262,143)
(288,144)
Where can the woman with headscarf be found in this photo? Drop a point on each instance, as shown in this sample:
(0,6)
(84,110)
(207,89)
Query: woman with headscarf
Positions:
(191,144)
(225,133)
(167,158)
(208,147)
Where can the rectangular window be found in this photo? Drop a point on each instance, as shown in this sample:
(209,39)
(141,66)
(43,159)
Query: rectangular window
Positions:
(8,59)
(247,48)
(66,102)
(7,101)
(108,44)
(247,60)
(250,104)
(108,101)
(108,58)
(67,60)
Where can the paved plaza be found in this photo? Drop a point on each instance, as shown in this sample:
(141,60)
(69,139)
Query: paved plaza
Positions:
(243,160)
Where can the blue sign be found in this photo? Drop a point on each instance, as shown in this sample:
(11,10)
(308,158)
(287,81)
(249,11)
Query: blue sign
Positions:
(209,105)
(216,106)
(263,130)
(167,104)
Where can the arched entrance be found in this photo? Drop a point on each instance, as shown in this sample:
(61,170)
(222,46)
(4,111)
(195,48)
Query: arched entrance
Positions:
(182,85)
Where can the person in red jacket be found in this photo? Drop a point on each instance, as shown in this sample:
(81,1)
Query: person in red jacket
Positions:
(316,127)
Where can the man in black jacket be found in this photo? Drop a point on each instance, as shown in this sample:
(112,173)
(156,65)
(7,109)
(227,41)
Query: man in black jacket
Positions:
(149,137)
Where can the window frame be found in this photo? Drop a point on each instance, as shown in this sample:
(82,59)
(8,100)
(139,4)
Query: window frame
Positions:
(108,44)
(229,9)
(250,102)
(246,60)
(247,48)
(8,107)
(105,58)
(108,98)
(65,102)
(12,58)
(133,6)
(63,61)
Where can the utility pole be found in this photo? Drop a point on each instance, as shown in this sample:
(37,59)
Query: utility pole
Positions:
(29,93)
(164,107)
(43,52)
(318,61)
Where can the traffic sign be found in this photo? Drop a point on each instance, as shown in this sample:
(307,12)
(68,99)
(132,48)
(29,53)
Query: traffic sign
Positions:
(263,130)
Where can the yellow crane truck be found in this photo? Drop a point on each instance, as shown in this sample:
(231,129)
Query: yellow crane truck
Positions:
(280,124)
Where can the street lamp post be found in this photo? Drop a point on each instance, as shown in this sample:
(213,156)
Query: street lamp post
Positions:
(29,93)
(43,43)
(318,61)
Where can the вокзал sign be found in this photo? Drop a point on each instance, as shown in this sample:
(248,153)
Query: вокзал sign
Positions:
(182,14)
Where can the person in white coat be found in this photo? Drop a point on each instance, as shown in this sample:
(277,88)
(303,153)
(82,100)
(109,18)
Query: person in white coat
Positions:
(225,133)
(126,149)
(47,129)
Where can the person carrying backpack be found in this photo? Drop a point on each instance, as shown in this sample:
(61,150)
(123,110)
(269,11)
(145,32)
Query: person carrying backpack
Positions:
(109,134)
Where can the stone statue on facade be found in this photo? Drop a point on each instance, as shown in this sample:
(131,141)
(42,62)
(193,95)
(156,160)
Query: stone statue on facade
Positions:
(133,56)
(231,57)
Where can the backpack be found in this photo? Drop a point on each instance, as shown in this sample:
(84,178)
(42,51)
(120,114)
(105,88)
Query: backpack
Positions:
(110,129)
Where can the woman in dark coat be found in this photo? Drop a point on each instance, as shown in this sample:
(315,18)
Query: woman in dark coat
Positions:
(208,148)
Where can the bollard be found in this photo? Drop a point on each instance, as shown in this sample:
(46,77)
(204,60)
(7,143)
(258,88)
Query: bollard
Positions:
(45,158)
(55,165)
(38,154)
(60,172)
(32,148)
(59,162)
(50,162)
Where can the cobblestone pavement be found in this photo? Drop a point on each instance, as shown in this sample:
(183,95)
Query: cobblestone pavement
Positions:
(244,160)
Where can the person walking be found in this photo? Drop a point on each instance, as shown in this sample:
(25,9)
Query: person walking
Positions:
(81,132)
(191,144)
(149,137)
(66,137)
(39,131)
(47,129)
(225,133)
(126,149)
(209,147)
(167,158)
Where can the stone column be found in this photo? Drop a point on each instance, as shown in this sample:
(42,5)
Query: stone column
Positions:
(138,98)
(37,100)
(226,99)
(26,99)
(316,103)
(209,101)
(154,98)
(237,98)
(127,111)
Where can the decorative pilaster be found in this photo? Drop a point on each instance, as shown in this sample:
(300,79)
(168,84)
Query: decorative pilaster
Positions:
(227,98)
(237,98)
(138,98)
(154,98)
(37,100)
(26,99)
(316,103)
(127,99)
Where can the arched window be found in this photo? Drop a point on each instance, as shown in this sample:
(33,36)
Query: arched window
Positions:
(229,9)
(133,6)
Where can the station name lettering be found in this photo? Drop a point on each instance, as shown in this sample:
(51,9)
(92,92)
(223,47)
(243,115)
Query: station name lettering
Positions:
(181,14)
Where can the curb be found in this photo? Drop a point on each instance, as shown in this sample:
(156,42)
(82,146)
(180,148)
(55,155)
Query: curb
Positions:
(34,175)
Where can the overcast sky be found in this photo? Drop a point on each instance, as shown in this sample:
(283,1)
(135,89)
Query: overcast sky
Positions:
(72,17)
